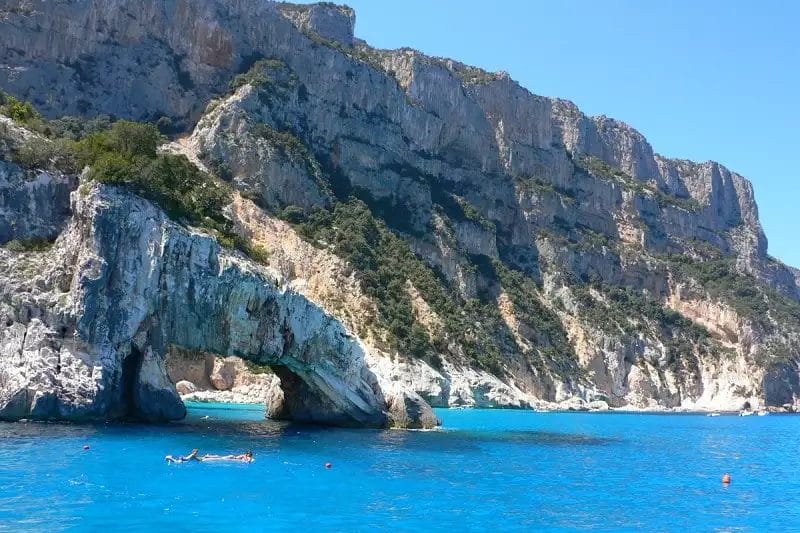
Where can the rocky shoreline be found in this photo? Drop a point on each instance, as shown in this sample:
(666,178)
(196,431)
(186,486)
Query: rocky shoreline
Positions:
(541,407)
(243,391)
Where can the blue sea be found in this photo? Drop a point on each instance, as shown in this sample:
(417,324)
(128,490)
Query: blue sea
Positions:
(485,469)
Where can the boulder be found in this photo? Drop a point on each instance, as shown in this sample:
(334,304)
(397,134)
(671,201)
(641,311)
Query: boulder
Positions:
(573,404)
(598,405)
(223,374)
(276,409)
(185,387)
(154,395)
(407,410)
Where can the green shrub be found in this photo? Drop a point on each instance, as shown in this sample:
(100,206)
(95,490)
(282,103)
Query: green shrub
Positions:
(18,110)
(384,264)
(537,185)
(76,128)
(260,254)
(129,139)
(126,155)
(293,214)
(257,368)
(165,125)
(39,153)
(288,145)
(474,75)
(257,74)
(472,213)
(29,245)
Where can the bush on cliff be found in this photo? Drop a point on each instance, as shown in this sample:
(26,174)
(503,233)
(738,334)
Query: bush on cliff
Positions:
(35,244)
(126,155)
(17,110)
(749,297)
(38,153)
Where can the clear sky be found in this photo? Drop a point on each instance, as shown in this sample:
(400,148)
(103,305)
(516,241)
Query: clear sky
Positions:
(710,79)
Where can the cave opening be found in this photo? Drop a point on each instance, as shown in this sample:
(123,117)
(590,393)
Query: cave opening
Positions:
(131,366)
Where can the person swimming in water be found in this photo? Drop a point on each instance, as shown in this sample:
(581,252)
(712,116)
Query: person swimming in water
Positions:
(183,458)
(246,457)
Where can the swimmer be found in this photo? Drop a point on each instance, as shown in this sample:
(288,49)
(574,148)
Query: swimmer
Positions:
(183,458)
(246,457)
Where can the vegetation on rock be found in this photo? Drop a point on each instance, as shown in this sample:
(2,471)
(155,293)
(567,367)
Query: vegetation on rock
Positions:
(125,154)
(473,328)
(28,245)
(256,75)
(750,299)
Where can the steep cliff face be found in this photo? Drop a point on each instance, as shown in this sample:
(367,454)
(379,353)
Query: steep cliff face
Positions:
(487,246)
(169,57)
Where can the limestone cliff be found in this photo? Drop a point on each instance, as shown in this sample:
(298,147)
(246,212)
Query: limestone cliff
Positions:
(484,245)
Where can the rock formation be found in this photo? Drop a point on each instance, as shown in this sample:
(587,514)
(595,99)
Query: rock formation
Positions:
(431,231)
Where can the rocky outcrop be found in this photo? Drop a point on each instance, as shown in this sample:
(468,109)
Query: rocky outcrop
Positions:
(408,410)
(325,278)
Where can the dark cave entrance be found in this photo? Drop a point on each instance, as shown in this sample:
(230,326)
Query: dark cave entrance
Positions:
(131,366)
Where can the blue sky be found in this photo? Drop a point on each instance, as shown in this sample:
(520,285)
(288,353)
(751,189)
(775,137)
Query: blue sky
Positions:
(711,79)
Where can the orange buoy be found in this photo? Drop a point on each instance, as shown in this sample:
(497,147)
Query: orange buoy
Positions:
(328,465)
(726,479)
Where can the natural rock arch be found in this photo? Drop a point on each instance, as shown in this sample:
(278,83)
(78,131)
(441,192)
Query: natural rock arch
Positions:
(139,283)
(161,285)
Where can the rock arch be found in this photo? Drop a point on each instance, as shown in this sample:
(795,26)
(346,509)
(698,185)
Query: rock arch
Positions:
(160,285)
(139,283)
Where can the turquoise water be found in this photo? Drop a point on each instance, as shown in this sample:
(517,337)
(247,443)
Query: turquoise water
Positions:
(509,470)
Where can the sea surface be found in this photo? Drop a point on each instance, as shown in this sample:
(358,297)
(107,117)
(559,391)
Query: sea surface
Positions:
(485,470)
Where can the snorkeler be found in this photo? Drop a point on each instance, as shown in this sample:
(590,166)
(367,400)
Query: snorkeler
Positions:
(246,457)
(183,458)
